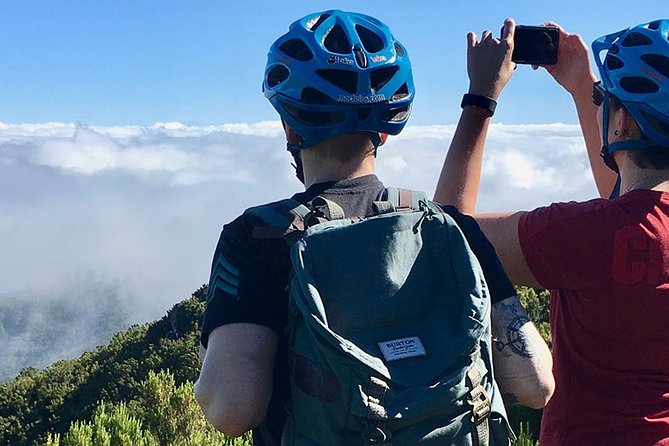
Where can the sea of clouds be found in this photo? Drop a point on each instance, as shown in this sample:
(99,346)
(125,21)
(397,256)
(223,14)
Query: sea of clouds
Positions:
(142,206)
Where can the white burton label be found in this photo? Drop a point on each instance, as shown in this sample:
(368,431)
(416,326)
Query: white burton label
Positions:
(402,348)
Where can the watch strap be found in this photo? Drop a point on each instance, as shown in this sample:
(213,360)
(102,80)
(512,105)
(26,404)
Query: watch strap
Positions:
(479,101)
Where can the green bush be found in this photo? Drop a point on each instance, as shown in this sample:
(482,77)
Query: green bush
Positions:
(163,414)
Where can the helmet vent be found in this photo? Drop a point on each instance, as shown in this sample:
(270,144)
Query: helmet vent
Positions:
(346,80)
(312,25)
(635,84)
(313,96)
(370,40)
(380,77)
(360,56)
(336,41)
(315,119)
(655,25)
(396,114)
(277,75)
(636,39)
(399,50)
(296,49)
(613,63)
(659,62)
(402,93)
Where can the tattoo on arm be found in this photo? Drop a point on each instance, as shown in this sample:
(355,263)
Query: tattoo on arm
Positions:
(515,322)
(521,358)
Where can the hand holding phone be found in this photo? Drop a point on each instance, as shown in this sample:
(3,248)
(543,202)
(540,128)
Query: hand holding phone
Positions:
(535,45)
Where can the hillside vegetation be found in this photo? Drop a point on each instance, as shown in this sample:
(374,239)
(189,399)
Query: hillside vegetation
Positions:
(137,389)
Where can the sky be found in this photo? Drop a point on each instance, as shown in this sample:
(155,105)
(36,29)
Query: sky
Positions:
(132,131)
(201,62)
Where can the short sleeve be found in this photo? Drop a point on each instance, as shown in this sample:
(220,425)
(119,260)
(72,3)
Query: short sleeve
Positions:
(564,243)
(498,282)
(248,279)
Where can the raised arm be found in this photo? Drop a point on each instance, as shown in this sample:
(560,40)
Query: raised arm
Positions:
(489,68)
(574,73)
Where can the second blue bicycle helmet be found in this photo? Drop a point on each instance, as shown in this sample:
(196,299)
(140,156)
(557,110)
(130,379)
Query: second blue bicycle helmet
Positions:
(339,72)
(635,69)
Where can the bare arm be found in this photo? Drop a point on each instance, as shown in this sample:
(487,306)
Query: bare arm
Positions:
(501,228)
(574,73)
(489,68)
(459,180)
(522,360)
(235,383)
(604,177)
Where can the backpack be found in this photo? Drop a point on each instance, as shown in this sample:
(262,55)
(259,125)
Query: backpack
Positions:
(389,327)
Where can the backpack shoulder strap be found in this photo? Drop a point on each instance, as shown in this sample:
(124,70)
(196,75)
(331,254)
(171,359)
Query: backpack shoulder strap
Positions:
(282,218)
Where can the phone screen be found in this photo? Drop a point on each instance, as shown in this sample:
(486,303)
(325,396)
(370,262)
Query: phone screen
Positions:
(536,45)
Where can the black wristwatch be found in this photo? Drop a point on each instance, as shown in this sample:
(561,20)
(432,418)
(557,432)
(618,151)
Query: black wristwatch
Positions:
(479,101)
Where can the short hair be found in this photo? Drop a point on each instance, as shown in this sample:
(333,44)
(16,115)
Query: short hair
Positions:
(653,158)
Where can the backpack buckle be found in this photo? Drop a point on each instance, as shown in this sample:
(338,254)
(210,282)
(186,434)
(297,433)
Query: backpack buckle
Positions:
(481,409)
(479,398)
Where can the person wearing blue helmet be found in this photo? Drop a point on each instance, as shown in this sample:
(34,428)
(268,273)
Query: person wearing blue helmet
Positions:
(340,82)
(606,260)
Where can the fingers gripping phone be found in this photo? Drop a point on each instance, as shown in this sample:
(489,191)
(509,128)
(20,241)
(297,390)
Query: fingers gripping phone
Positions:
(535,45)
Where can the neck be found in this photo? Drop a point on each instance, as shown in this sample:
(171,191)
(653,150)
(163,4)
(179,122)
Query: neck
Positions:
(649,182)
(341,157)
(633,177)
(331,170)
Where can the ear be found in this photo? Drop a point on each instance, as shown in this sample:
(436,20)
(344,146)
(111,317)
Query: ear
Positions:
(624,121)
(291,136)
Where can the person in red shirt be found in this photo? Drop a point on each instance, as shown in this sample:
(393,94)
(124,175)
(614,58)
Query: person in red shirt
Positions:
(606,261)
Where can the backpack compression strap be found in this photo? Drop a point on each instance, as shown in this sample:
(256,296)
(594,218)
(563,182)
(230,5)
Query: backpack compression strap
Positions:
(396,199)
(283,218)
(289,218)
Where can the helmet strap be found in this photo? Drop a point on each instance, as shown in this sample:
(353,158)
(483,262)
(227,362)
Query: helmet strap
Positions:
(294,150)
(378,139)
(606,150)
(615,193)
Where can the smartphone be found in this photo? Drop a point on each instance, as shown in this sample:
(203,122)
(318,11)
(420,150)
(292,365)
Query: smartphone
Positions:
(535,45)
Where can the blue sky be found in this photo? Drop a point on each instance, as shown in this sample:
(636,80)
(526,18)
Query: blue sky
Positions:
(200,62)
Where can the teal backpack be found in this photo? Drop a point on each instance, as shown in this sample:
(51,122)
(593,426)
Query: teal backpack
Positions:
(389,327)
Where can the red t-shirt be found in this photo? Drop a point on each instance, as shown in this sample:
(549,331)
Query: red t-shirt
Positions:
(607,264)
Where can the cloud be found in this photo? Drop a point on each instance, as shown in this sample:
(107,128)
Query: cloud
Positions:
(524,166)
(181,154)
(145,205)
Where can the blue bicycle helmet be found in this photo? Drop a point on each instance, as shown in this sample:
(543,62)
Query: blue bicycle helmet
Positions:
(635,69)
(339,72)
